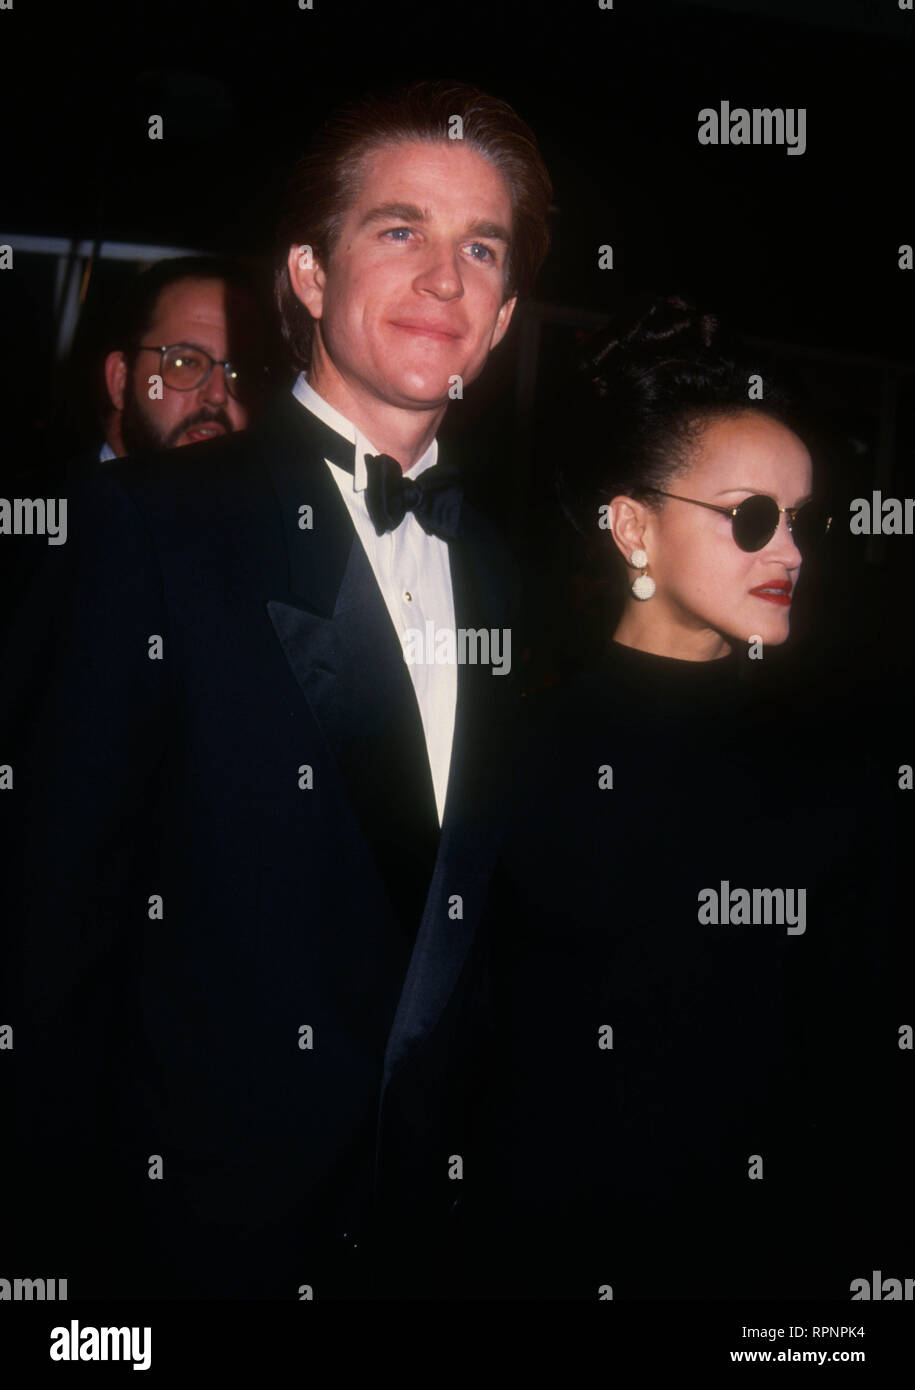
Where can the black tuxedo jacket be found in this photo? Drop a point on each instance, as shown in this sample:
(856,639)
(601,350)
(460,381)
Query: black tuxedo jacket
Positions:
(243,970)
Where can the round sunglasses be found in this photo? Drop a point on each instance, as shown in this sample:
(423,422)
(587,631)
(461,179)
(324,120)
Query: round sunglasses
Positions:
(754,521)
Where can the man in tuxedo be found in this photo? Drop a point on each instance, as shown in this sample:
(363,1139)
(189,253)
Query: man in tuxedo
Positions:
(245,959)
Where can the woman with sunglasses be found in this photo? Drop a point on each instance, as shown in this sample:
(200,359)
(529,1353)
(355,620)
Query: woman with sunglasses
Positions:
(675,1083)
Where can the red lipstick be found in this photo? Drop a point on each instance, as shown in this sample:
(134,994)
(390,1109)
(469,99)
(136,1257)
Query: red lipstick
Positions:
(776,591)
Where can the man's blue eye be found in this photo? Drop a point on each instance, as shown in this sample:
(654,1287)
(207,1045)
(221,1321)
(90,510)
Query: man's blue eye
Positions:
(478,246)
(394,232)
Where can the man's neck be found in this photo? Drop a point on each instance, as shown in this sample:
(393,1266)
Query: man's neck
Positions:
(403,434)
(113,436)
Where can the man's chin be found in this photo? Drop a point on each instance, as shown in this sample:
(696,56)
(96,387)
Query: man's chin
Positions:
(425,393)
(141,437)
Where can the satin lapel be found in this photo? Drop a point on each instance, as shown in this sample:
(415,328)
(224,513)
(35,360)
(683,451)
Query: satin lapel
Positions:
(341,646)
(295,444)
(483,597)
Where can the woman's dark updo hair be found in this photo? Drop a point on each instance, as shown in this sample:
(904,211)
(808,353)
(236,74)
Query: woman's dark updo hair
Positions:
(644,390)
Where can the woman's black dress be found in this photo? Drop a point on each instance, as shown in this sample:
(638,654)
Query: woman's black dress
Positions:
(679,1107)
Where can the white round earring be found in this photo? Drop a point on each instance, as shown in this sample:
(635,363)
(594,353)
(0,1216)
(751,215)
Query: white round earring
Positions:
(644,586)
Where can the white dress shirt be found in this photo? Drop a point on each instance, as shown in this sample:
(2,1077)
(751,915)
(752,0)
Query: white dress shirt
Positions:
(106,453)
(414,575)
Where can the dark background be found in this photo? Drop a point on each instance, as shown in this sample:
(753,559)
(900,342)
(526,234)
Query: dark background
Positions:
(797,253)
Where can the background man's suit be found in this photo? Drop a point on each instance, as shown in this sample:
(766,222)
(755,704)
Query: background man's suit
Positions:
(281,906)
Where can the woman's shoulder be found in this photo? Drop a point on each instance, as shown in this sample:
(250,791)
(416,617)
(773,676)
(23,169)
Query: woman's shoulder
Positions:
(624,683)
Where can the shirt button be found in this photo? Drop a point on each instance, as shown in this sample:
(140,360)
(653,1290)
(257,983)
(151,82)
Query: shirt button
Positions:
(408,597)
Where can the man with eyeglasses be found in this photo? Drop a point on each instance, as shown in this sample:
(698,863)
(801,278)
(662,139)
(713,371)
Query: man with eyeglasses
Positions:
(189,363)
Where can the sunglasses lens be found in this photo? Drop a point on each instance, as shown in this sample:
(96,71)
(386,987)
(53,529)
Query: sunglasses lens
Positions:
(810,525)
(755,523)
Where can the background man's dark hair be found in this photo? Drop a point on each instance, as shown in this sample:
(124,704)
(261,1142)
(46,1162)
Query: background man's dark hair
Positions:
(325,181)
(136,309)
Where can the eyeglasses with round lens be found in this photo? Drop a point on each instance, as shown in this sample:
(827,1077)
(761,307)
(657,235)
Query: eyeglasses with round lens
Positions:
(183,367)
(754,521)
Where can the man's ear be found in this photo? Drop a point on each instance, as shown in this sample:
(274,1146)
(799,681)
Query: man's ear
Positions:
(116,378)
(503,319)
(307,279)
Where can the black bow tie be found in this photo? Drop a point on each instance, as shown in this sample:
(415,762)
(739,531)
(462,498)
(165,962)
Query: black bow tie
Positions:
(434,497)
